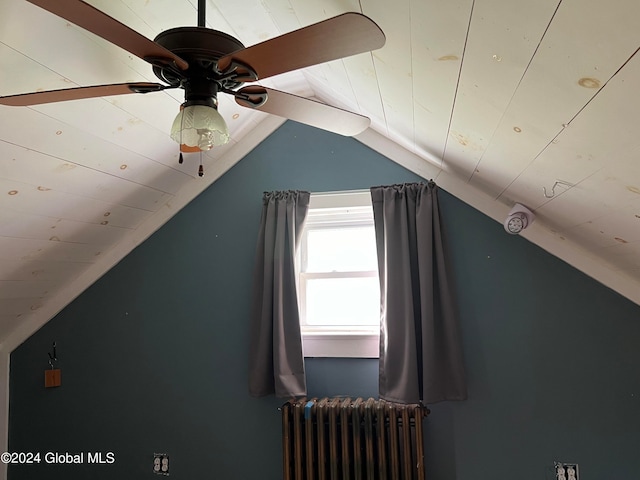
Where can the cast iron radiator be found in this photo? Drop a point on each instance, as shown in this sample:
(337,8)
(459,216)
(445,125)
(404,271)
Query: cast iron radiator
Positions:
(345,439)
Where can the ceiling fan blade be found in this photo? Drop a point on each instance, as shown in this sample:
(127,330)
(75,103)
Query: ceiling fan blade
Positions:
(303,110)
(51,96)
(338,37)
(90,18)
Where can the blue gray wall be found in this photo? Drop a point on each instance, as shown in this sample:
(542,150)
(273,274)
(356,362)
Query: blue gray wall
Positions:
(154,354)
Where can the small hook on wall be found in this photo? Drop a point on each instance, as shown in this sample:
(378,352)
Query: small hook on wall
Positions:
(52,356)
(553,189)
(52,376)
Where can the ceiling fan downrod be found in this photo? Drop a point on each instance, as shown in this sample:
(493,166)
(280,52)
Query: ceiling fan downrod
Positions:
(202,13)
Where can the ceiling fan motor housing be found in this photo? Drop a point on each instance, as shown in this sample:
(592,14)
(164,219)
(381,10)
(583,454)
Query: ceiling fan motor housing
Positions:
(201,48)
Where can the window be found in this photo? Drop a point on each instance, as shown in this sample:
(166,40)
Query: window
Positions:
(338,280)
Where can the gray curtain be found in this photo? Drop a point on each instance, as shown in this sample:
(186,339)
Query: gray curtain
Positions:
(420,348)
(276,364)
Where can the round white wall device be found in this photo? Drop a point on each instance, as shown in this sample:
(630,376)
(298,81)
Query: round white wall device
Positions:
(519,218)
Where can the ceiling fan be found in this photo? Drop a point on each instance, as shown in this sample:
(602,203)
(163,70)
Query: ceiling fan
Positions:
(205,62)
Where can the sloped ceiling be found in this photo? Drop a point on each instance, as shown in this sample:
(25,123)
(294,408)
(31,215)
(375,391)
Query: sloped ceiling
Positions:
(499,101)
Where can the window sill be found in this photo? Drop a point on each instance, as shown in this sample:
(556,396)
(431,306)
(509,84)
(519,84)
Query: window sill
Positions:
(341,344)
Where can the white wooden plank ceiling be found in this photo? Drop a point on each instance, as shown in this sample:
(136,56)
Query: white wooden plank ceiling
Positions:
(494,99)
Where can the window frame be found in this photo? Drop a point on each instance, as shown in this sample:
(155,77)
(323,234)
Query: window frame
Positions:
(331,210)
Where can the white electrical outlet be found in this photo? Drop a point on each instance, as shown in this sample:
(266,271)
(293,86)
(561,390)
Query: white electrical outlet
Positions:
(566,471)
(161,463)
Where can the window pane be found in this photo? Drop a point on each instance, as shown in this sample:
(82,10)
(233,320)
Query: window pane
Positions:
(341,249)
(343,301)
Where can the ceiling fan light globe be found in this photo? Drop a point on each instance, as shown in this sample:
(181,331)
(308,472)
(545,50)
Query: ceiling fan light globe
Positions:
(200,126)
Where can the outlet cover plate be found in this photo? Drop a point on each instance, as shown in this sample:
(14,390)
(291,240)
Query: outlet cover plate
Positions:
(161,463)
(566,471)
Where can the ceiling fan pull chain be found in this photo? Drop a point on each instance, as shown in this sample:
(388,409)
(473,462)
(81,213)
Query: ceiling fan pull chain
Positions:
(181,158)
(201,168)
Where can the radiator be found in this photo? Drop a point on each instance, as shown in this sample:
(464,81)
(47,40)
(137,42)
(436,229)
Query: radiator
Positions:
(345,439)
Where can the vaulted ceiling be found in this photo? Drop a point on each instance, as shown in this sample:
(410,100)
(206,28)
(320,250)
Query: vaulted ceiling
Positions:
(499,101)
